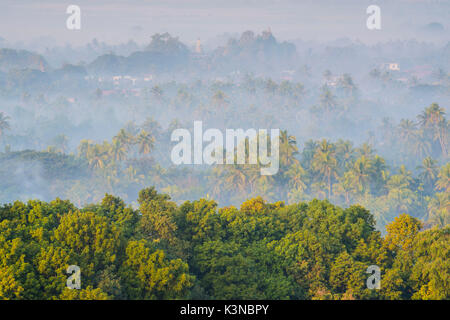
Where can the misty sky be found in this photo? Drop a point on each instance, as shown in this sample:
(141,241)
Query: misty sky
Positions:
(114,21)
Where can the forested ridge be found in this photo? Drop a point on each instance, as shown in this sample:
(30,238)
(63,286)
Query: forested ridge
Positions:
(306,250)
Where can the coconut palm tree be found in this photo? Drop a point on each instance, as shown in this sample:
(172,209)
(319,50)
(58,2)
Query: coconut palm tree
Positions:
(443,181)
(236,178)
(439,209)
(297,177)
(97,156)
(158,176)
(152,126)
(124,138)
(344,152)
(433,118)
(379,175)
(365,150)
(347,185)
(288,149)
(346,82)
(362,170)
(408,130)
(400,195)
(325,163)
(432,115)
(117,150)
(429,171)
(327,99)
(84,147)
(421,146)
(309,150)
(145,142)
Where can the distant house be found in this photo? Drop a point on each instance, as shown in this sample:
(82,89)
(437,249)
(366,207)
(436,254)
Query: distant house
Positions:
(130,78)
(391,66)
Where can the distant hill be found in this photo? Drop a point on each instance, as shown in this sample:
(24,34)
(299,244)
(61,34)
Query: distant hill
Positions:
(21,59)
(164,53)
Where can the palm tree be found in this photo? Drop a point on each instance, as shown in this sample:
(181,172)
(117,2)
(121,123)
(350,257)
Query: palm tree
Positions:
(270,86)
(288,149)
(439,209)
(309,150)
(407,130)
(433,118)
(362,170)
(401,196)
(432,115)
(429,171)
(84,147)
(297,177)
(124,138)
(346,82)
(422,146)
(117,150)
(379,174)
(158,176)
(285,89)
(236,178)
(347,185)
(298,92)
(344,152)
(327,99)
(4,123)
(145,142)
(325,163)
(441,134)
(443,182)
(365,150)
(152,126)
(97,157)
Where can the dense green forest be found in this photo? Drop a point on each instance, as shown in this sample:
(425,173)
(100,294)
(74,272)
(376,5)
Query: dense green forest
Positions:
(306,250)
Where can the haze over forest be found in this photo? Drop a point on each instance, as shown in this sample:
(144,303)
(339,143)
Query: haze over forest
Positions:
(363,117)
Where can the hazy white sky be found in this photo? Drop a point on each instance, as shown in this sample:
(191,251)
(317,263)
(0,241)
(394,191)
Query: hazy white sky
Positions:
(116,21)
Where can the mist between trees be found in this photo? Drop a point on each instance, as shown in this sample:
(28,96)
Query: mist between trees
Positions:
(363,165)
